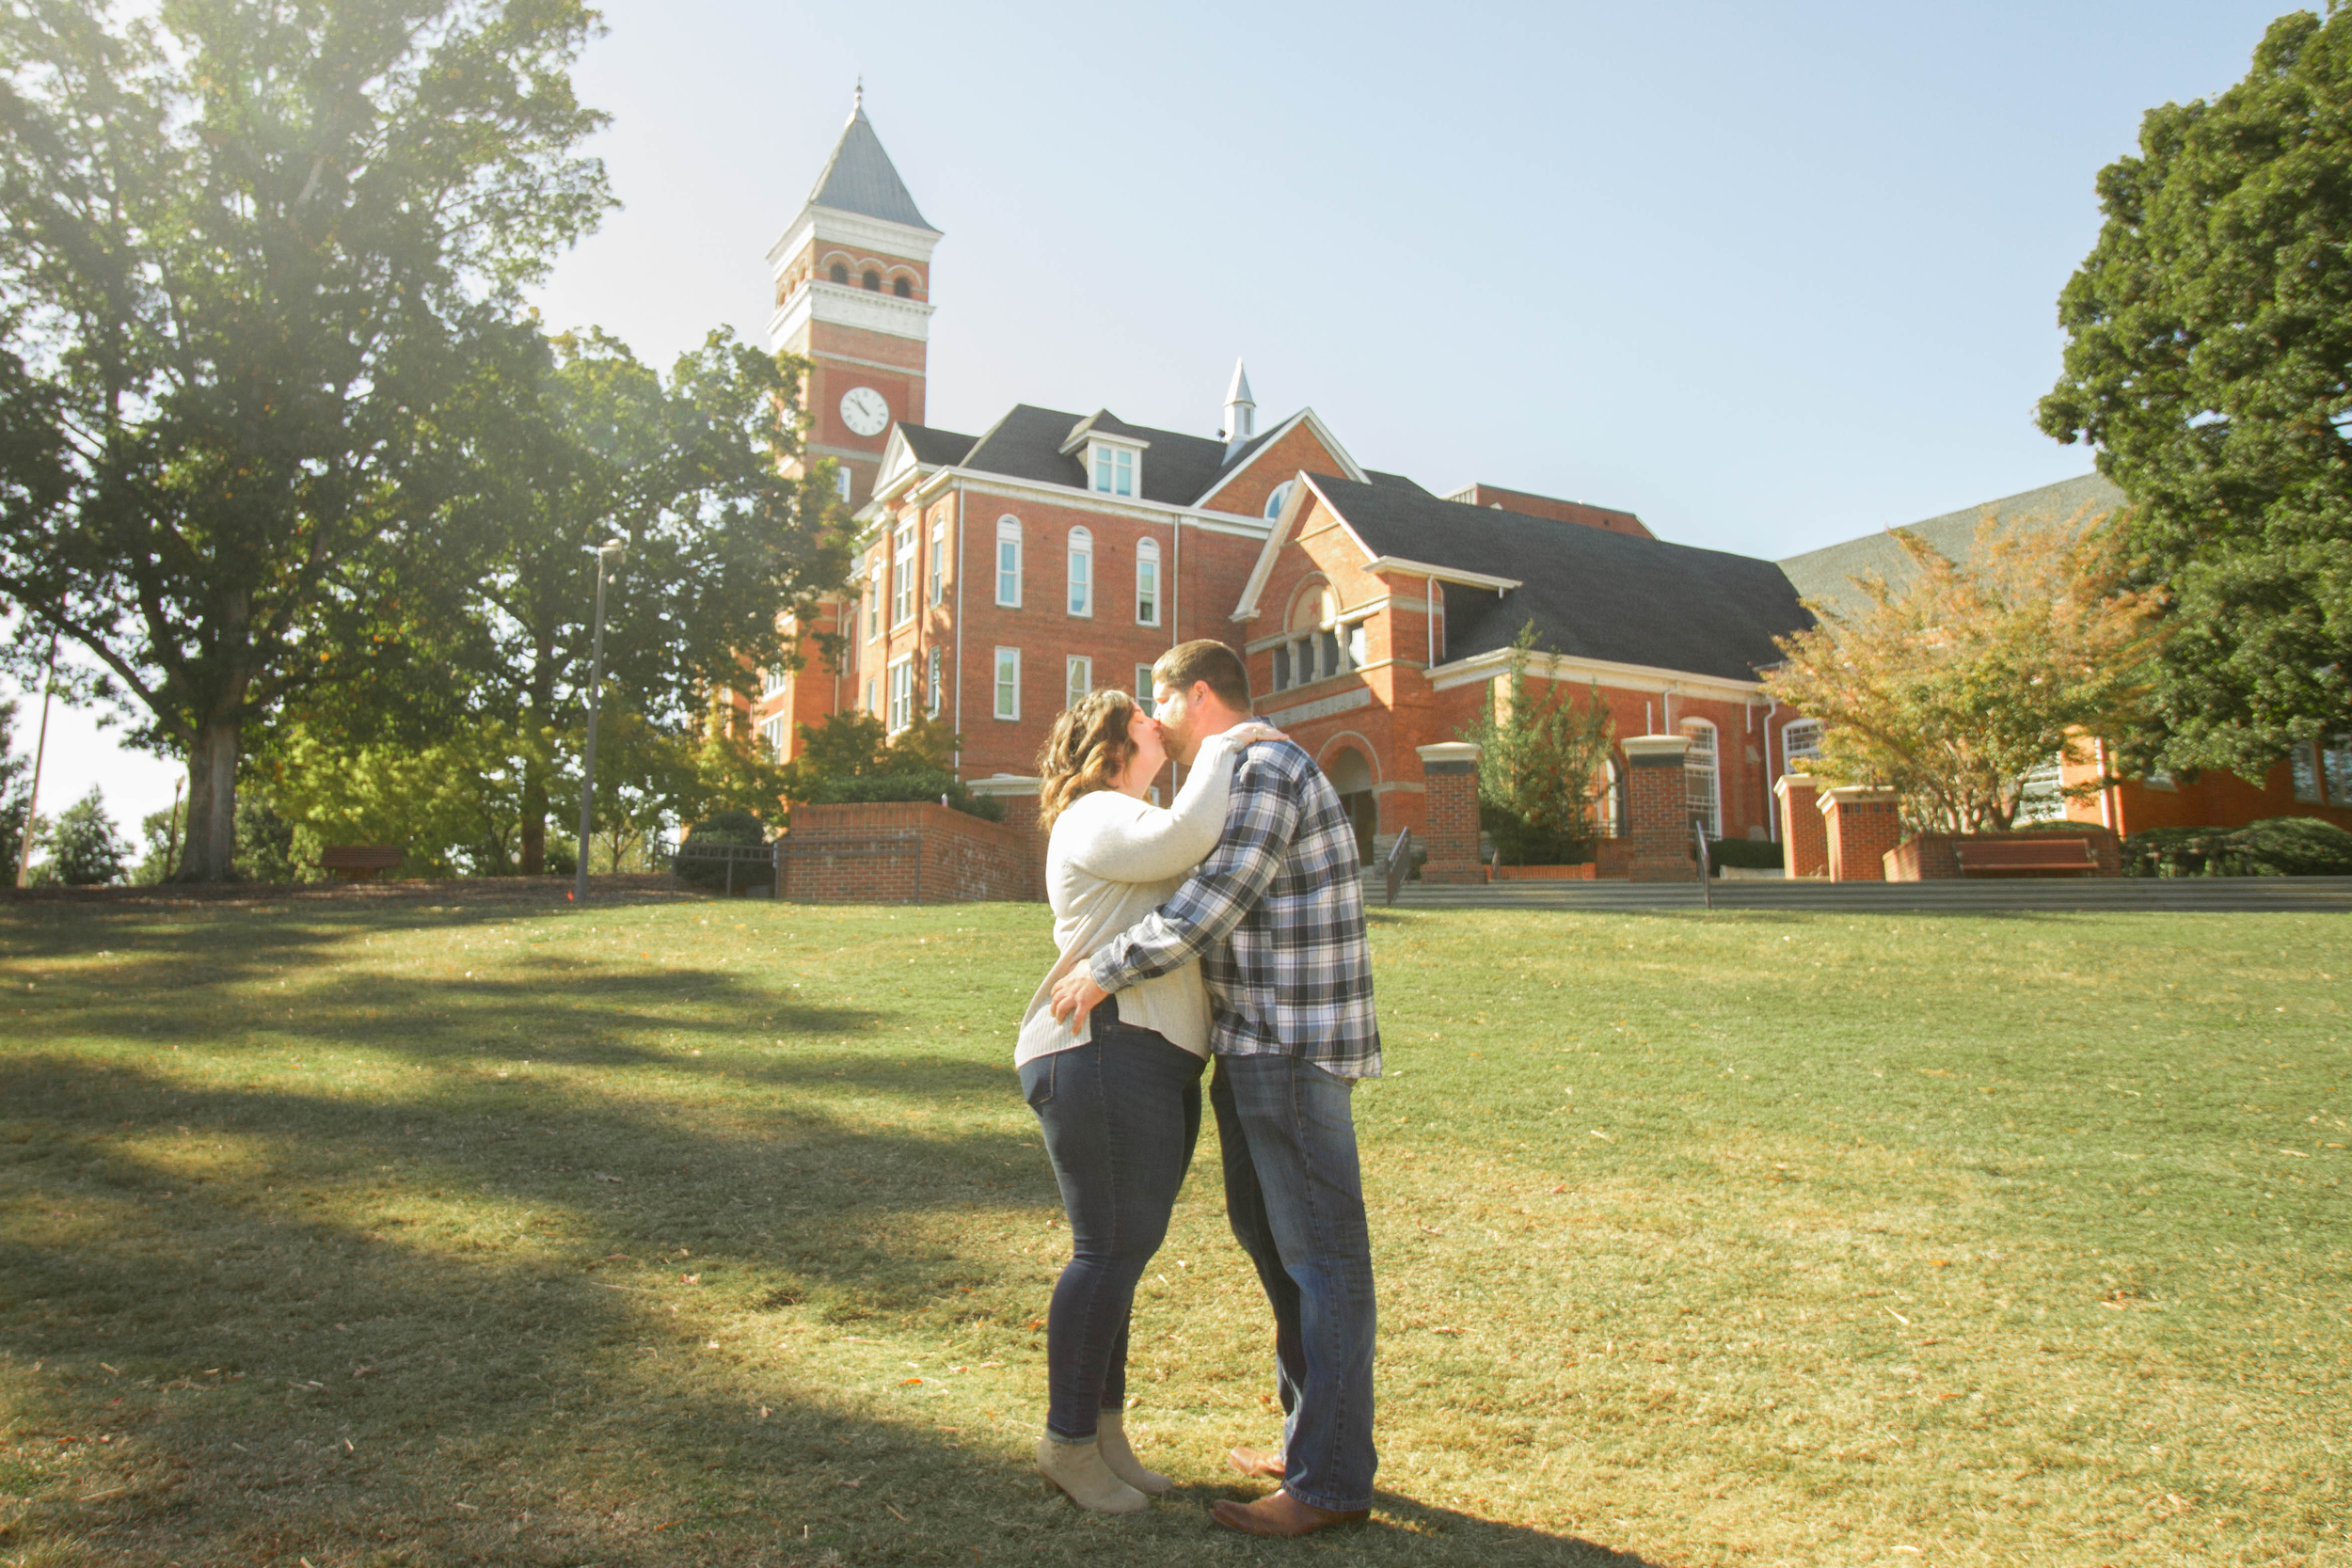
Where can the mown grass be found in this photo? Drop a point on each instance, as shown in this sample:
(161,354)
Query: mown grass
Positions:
(701,1232)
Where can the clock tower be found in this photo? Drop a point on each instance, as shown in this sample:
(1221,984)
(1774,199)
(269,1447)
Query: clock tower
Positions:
(853,297)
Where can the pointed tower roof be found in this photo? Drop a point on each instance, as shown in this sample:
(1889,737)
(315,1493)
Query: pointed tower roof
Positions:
(860,177)
(1239,390)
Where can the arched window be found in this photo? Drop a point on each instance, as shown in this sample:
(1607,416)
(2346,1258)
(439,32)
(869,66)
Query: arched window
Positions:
(1081,572)
(1009,562)
(872,281)
(902,287)
(1800,739)
(1275,502)
(1609,807)
(1699,776)
(1148,583)
(839,274)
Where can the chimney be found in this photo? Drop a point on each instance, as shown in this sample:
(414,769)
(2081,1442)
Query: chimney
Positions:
(1241,414)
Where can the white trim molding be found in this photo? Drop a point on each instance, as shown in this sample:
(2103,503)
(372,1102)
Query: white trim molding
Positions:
(1625,677)
(1321,707)
(1322,432)
(833,226)
(848,305)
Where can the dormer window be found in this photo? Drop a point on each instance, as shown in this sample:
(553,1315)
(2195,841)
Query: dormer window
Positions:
(1114,469)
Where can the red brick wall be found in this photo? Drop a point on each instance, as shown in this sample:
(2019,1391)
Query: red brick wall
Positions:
(1860,833)
(1804,841)
(1606,517)
(904,853)
(1245,492)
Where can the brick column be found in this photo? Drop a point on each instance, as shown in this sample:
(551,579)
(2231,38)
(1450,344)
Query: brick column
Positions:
(1658,808)
(1450,772)
(1803,845)
(1861,825)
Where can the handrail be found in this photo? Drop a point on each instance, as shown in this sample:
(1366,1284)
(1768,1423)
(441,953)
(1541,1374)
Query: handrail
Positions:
(1400,860)
(1706,869)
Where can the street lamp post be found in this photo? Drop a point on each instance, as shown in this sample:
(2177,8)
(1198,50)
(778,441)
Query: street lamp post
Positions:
(604,554)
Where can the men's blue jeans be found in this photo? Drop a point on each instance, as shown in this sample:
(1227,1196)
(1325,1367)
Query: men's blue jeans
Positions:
(1121,1114)
(1295,1198)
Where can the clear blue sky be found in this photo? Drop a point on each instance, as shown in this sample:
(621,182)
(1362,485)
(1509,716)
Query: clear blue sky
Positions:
(1770,276)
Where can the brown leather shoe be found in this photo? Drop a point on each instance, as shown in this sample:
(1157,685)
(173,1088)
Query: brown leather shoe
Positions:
(1282,1514)
(1262,1462)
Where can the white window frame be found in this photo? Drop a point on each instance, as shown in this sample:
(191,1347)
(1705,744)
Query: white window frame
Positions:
(1800,739)
(902,577)
(772,730)
(2335,770)
(875,589)
(1009,684)
(1143,689)
(932,681)
(901,694)
(939,561)
(2303,768)
(1077,679)
(1147,582)
(1279,498)
(873,697)
(772,682)
(1703,786)
(841,482)
(2040,795)
(1081,600)
(1114,469)
(1009,562)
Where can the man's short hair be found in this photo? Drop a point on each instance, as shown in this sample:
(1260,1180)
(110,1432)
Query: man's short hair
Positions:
(1206,659)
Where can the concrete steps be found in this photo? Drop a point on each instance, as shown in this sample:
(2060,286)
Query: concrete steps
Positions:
(1991,896)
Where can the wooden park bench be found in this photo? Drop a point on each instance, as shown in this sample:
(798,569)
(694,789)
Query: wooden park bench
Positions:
(354,863)
(2058,855)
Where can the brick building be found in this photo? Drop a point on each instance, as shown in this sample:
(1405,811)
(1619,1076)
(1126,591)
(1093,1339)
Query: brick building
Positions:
(1002,573)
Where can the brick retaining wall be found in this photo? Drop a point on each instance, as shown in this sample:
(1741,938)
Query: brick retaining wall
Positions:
(911,853)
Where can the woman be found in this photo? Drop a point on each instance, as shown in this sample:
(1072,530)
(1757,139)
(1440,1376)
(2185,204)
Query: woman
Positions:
(1118,1093)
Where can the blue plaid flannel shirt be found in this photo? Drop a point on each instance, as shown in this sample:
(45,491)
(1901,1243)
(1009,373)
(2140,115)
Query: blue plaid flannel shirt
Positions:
(1276,916)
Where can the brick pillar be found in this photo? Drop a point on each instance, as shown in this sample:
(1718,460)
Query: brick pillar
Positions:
(1658,808)
(1861,825)
(1450,769)
(1018,795)
(1804,844)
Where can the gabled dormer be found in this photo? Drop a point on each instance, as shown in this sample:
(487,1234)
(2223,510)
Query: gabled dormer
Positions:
(1110,454)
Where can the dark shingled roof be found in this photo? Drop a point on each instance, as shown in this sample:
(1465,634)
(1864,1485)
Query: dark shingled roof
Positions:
(935,449)
(1592,594)
(1826,575)
(1026,444)
(860,178)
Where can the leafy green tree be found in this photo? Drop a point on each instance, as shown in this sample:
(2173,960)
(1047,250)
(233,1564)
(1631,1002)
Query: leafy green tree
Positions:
(1954,687)
(451,806)
(86,849)
(850,759)
(1543,762)
(2210,347)
(159,845)
(15,795)
(248,254)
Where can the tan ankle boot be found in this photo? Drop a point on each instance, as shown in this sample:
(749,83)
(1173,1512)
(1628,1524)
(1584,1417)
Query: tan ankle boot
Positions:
(1078,1469)
(1110,1434)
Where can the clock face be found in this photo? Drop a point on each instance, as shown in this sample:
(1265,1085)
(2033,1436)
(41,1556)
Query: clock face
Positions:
(864,411)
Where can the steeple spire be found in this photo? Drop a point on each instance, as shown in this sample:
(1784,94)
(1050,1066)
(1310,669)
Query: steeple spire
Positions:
(860,177)
(1241,413)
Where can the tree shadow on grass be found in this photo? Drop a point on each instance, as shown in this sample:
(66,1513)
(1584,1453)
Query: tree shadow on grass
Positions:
(300,1356)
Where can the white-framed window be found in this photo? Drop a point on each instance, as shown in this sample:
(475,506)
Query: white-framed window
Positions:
(939,561)
(771,734)
(1009,562)
(2304,762)
(1081,572)
(875,588)
(1609,811)
(1114,469)
(902,693)
(1800,739)
(1077,679)
(2041,798)
(841,482)
(1008,683)
(902,577)
(1143,689)
(2335,765)
(873,701)
(1279,498)
(1700,778)
(1147,582)
(772,682)
(932,684)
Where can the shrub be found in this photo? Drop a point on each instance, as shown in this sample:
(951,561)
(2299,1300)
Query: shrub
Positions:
(724,827)
(1748,854)
(2276,846)
(848,760)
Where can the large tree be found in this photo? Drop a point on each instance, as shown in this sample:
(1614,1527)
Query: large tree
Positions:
(247,249)
(1956,685)
(2210,362)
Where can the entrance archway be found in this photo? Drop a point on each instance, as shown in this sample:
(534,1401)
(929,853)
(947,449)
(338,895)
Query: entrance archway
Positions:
(1351,775)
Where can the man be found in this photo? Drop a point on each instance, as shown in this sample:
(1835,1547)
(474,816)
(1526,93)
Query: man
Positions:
(1276,916)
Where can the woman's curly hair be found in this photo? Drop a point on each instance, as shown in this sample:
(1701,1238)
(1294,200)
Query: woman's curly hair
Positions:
(1089,750)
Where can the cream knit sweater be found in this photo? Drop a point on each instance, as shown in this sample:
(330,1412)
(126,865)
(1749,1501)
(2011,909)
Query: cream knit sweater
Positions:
(1111,860)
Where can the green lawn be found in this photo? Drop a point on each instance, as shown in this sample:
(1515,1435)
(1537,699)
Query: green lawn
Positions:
(686,1233)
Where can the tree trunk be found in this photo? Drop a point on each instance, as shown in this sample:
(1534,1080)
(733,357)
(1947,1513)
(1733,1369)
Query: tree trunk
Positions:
(212,847)
(542,698)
